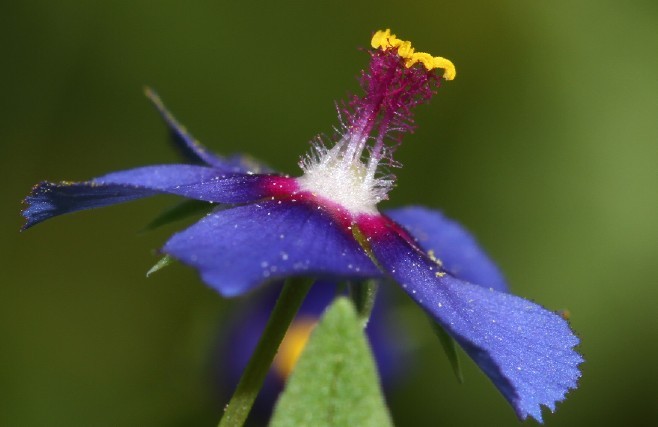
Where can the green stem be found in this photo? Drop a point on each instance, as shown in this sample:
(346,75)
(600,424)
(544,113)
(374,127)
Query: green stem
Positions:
(363,295)
(291,298)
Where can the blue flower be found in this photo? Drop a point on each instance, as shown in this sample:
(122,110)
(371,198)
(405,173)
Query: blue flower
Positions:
(326,224)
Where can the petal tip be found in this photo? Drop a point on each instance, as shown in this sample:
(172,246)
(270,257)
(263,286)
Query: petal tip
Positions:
(36,206)
(565,377)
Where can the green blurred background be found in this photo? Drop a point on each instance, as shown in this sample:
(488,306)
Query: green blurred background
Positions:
(546,146)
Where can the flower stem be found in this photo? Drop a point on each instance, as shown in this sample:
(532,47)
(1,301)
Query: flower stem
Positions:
(363,295)
(291,298)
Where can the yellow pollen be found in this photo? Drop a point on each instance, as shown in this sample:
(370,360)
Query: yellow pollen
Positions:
(385,40)
(433,257)
(292,346)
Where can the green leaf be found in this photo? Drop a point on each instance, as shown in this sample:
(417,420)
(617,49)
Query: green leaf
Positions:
(450,348)
(162,263)
(177,212)
(335,381)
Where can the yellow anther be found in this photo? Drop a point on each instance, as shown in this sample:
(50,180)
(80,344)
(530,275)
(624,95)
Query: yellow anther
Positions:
(424,58)
(380,39)
(385,40)
(448,67)
(405,50)
(394,41)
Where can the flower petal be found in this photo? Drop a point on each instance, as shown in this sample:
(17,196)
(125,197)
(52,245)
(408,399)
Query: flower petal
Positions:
(196,182)
(187,145)
(237,249)
(195,152)
(526,350)
(452,244)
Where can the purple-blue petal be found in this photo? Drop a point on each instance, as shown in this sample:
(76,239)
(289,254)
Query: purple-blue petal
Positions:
(237,249)
(246,164)
(196,182)
(191,149)
(452,244)
(195,152)
(526,350)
